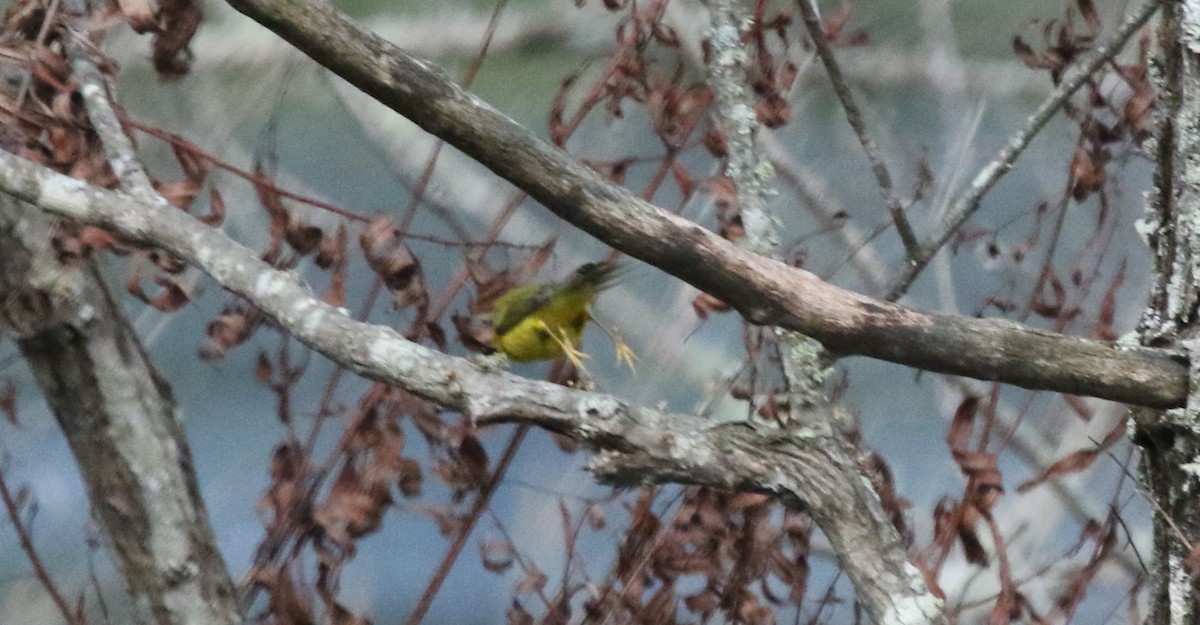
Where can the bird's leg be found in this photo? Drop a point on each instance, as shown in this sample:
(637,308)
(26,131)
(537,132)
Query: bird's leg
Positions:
(625,353)
(573,354)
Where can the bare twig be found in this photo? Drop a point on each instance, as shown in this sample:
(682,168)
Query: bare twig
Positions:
(94,88)
(1073,78)
(478,507)
(812,21)
(39,569)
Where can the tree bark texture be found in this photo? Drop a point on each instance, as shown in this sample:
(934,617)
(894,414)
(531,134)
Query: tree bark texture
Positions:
(121,423)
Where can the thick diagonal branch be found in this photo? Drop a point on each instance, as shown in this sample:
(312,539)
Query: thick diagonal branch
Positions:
(764,291)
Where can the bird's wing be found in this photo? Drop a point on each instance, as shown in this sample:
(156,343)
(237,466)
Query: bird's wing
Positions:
(519,303)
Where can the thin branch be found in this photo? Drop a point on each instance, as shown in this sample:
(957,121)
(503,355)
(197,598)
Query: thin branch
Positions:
(94,88)
(812,21)
(31,554)
(478,507)
(751,174)
(1074,77)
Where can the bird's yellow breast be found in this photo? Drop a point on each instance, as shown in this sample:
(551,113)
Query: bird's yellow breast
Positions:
(542,334)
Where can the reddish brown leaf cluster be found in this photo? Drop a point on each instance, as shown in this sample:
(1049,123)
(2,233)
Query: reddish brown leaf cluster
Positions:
(371,470)
(1108,116)
(984,488)
(45,122)
(633,75)
(771,73)
(740,547)
(394,263)
(44,119)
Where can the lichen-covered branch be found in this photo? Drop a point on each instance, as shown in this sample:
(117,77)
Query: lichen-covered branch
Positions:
(1170,443)
(638,444)
(751,175)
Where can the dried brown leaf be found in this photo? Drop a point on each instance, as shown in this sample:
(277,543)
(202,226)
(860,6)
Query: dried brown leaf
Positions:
(1104,328)
(139,14)
(409,480)
(285,600)
(773,110)
(596,518)
(533,581)
(1087,172)
(1079,406)
(1006,609)
(172,297)
(497,555)
(1088,11)
(8,402)
(704,304)
(682,179)
(263,371)
(1076,461)
(231,328)
(352,509)
(703,603)
(180,193)
(517,615)
(93,239)
(272,202)
(216,208)
(959,434)
(716,143)
(973,549)
(170,51)
(391,260)
(302,237)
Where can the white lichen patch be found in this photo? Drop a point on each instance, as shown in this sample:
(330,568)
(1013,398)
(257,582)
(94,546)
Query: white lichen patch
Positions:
(913,610)
(271,284)
(1129,339)
(1145,226)
(1191,25)
(1191,468)
(727,40)
(399,358)
(597,406)
(90,90)
(64,194)
(690,450)
(1178,589)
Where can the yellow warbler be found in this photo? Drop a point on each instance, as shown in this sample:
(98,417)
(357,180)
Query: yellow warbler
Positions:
(545,320)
